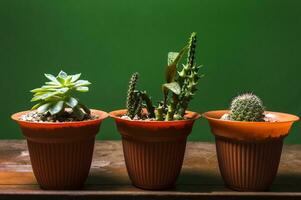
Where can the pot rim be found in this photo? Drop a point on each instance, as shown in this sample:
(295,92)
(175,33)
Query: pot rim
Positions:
(250,131)
(294,118)
(101,116)
(116,114)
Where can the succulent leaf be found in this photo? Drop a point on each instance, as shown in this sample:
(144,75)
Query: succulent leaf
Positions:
(82,83)
(172,59)
(72,102)
(75,77)
(174,87)
(56,107)
(82,89)
(52,78)
(43,108)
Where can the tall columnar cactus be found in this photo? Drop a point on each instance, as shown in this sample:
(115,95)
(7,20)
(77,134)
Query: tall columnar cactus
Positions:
(133,99)
(247,107)
(188,77)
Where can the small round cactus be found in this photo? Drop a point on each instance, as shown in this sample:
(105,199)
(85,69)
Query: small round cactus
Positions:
(247,107)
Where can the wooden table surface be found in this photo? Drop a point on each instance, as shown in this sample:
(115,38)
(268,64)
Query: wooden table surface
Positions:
(199,179)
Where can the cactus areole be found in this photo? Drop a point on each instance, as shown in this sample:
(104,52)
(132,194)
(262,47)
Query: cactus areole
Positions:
(178,91)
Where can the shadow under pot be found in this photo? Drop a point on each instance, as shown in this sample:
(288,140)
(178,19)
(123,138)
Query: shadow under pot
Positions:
(249,152)
(154,150)
(61,152)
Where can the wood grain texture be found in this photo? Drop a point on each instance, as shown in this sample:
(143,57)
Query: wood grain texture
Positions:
(199,179)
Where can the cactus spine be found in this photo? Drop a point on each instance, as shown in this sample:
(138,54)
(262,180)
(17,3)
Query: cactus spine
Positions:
(247,107)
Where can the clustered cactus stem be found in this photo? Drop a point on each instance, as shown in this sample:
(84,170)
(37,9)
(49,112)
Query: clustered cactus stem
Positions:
(159,113)
(148,104)
(179,89)
(136,98)
(247,107)
(170,112)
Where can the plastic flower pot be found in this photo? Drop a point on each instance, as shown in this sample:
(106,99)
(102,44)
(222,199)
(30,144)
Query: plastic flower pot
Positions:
(249,152)
(61,153)
(154,150)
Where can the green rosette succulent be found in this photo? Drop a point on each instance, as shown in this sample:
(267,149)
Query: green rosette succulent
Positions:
(57,96)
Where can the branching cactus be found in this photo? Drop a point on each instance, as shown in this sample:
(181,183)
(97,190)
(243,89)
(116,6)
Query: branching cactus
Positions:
(184,85)
(57,95)
(188,77)
(179,89)
(247,107)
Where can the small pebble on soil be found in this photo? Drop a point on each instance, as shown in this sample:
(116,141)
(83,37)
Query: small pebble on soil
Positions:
(144,118)
(34,116)
(267,117)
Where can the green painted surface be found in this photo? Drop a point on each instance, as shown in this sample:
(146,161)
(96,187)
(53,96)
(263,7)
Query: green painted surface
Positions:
(250,45)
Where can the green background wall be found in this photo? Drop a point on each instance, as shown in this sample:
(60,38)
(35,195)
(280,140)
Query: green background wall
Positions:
(249,45)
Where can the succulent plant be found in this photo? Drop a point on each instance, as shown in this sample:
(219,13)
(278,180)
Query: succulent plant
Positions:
(57,95)
(247,107)
(179,89)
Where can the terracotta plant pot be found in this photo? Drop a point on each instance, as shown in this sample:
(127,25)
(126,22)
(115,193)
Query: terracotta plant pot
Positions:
(154,150)
(61,153)
(249,152)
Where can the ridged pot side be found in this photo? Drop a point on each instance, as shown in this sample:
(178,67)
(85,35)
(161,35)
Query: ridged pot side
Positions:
(61,153)
(248,166)
(154,150)
(249,152)
(61,165)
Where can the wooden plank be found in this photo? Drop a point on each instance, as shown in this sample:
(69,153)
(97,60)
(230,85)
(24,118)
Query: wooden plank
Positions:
(108,178)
